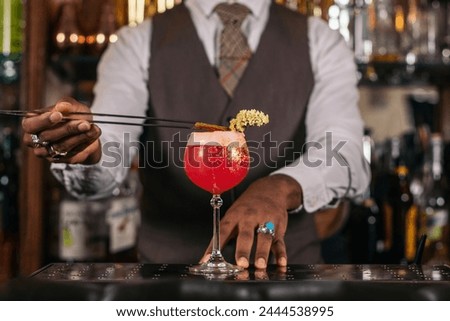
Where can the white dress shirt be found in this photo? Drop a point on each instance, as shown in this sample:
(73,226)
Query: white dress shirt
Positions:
(122,88)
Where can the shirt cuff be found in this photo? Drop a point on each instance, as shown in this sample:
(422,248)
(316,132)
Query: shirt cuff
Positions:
(85,181)
(314,188)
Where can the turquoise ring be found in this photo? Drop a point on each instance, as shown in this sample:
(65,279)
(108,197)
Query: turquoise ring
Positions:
(267,228)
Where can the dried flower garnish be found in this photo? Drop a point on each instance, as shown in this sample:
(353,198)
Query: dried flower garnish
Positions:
(247,118)
(243,119)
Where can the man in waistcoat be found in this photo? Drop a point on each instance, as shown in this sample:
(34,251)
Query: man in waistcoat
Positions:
(292,67)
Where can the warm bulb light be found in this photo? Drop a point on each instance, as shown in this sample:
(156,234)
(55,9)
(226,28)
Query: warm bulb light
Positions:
(73,38)
(113,38)
(90,39)
(100,38)
(60,37)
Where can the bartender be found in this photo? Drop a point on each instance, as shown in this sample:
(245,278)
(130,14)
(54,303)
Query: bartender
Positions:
(205,60)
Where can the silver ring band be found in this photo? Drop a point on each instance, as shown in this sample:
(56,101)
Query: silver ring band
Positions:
(54,153)
(37,142)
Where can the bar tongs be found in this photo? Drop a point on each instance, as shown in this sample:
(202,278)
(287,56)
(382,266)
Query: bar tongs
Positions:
(146,121)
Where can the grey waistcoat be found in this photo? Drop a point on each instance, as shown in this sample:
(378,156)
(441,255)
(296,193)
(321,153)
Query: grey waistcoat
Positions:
(177,218)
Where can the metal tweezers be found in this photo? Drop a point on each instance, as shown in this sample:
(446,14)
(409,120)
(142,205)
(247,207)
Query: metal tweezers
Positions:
(147,121)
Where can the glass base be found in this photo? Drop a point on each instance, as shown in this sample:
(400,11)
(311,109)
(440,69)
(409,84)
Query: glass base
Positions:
(217,267)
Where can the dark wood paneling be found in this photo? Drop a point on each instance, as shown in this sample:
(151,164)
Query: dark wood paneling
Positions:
(32,188)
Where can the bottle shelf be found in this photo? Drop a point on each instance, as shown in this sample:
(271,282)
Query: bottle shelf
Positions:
(402,73)
(75,68)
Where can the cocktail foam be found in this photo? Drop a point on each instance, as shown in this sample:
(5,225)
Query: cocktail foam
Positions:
(219,138)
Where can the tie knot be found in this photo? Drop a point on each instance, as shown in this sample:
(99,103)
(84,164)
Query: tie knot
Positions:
(233,13)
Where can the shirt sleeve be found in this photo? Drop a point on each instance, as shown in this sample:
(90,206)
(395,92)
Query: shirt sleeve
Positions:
(333,165)
(121,88)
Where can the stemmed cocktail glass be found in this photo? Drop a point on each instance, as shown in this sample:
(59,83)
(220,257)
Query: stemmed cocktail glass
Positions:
(216,161)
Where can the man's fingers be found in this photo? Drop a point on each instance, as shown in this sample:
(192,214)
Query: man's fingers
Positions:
(263,246)
(40,152)
(37,123)
(50,116)
(279,250)
(206,256)
(68,136)
(71,128)
(77,148)
(68,105)
(83,152)
(244,244)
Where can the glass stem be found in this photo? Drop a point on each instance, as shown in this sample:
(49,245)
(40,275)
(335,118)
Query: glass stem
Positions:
(216,203)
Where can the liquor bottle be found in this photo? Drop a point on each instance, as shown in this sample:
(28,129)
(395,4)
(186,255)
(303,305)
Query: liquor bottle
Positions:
(362,31)
(434,217)
(121,12)
(385,47)
(138,10)
(325,6)
(445,35)
(435,24)
(11,38)
(363,225)
(101,230)
(123,219)
(400,213)
(83,233)
(410,39)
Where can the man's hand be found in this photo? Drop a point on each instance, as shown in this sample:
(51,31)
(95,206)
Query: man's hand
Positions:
(267,199)
(77,140)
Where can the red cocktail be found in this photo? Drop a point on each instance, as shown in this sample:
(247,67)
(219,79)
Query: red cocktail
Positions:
(216,169)
(216,162)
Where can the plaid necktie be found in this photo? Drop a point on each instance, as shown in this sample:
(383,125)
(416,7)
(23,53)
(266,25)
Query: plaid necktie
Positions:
(234,49)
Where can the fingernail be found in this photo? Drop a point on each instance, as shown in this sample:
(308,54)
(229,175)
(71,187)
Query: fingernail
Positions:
(282,261)
(84,127)
(242,261)
(63,104)
(260,263)
(55,117)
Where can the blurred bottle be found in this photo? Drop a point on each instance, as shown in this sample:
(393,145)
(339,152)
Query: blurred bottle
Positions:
(101,230)
(400,213)
(9,206)
(67,35)
(123,218)
(422,40)
(411,39)
(305,7)
(434,216)
(445,36)
(325,7)
(435,25)
(121,12)
(83,233)
(385,37)
(11,38)
(362,31)
(363,227)
(138,10)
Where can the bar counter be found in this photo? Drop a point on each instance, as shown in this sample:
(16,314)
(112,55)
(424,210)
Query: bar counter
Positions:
(132,281)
